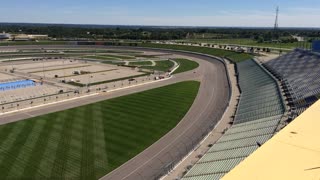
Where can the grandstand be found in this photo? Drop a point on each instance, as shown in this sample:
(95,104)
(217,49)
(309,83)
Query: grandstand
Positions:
(298,72)
(290,154)
(258,115)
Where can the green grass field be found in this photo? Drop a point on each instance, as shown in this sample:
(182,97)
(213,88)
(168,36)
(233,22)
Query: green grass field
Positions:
(90,141)
(185,65)
(161,66)
(234,56)
(247,42)
(114,62)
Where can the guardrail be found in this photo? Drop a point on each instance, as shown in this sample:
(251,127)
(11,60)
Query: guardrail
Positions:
(189,52)
(77,92)
(276,81)
(200,131)
(36,101)
(192,142)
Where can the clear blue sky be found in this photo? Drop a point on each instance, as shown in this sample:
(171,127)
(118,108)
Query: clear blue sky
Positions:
(293,13)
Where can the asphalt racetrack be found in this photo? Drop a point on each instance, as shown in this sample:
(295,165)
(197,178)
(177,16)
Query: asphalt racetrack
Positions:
(205,113)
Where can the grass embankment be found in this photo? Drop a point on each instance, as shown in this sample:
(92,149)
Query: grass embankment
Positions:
(90,141)
(161,66)
(185,65)
(120,63)
(246,42)
(234,56)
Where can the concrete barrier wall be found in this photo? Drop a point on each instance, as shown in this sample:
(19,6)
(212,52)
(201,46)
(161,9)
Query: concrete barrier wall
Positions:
(19,105)
(78,92)
(126,83)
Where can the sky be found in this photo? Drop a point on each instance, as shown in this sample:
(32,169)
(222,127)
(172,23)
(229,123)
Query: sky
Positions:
(244,13)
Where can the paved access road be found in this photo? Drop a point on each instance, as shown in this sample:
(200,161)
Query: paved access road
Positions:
(206,111)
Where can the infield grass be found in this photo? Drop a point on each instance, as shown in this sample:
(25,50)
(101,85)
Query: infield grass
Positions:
(246,42)
(161,66)
(90,141)
(234,56)
(185,65)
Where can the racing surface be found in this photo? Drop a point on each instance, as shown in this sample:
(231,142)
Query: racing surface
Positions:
(159,158)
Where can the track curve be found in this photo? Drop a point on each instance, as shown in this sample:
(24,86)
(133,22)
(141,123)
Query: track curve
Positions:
(205,113)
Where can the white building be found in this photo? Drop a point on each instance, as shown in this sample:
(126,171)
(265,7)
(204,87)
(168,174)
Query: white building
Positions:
(29,37)
(4,36)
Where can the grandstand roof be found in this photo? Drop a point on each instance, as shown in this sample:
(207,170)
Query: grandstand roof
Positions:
(293,153)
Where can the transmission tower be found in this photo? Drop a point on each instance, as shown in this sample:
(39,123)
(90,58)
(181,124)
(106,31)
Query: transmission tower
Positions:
(276,25)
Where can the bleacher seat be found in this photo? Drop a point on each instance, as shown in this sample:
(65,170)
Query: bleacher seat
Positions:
(299,72)
(259,112)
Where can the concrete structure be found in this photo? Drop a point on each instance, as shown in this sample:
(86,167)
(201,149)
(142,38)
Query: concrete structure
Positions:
(255,122)
(38,37)
(28,37)
(298,72)
(298,38)
(294,153)
(4,36)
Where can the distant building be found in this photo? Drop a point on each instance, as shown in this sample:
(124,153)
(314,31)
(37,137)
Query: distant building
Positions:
(4,36)
(38,37)
(298,38)
(20,37)
(29,37)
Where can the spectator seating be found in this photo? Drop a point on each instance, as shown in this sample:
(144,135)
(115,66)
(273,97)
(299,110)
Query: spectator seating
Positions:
(299,73)
(259,112)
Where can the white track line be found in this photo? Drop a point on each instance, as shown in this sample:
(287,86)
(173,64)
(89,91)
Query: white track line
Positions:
(173,141)
(199,144)
(42,105)
(127,87)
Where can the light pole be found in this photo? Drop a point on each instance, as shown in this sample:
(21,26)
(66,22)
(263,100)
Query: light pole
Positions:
(43,66)
(64,72)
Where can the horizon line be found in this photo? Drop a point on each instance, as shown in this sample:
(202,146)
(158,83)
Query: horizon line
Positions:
(175,26)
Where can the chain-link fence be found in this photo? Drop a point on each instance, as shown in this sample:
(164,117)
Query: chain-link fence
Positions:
(78,92)
(128,82)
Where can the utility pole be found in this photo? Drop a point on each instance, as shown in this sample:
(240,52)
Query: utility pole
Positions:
(276,24)
(276,28)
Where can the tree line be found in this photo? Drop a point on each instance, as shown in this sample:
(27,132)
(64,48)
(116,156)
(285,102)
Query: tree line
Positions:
(156,33)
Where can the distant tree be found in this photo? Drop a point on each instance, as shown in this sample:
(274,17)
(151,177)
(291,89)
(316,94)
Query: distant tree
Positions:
(260,39)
